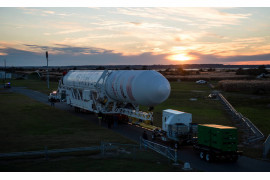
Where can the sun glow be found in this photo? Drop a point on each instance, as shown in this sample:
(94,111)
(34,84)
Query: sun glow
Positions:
(179,57)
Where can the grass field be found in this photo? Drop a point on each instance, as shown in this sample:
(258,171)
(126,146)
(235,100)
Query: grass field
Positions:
(254,107)
(144,161)
(26,125)
(35,84)
(203,110)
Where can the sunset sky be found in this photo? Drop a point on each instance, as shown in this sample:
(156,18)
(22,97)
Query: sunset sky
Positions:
(99,36)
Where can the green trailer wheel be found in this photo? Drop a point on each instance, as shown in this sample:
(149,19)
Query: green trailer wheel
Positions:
(202,155)
(208,157)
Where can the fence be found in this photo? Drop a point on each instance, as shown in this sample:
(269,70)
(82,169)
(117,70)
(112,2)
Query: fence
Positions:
(258,135)
(163,150)
(266,147)
(108,148)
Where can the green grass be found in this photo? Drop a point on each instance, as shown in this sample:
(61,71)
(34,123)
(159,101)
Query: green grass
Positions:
(26,125)
(204,110)
(254,107)
(89,164)
(35,84)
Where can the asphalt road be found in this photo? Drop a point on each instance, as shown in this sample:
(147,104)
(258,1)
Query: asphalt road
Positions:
(186,154)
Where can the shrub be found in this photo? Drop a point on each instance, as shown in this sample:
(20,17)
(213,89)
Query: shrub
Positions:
(254,86)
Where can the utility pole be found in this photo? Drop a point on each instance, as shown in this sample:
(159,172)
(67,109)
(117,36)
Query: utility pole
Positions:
(5,70)
(48,81)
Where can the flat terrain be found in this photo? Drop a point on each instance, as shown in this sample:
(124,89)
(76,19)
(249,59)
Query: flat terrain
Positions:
(180,100)
(30,125)
(144,161)
(254,107)
(35,84)
(203,109)
(193,98)
(27,125)
(185,154)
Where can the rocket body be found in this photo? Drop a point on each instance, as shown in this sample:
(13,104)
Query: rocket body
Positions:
(140,87)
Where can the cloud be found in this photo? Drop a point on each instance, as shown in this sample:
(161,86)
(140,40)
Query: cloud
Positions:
(205,17)
(71,50)
(210,58)
(49,12)
(69,55)
(3,54)
(42,12)
(77,56)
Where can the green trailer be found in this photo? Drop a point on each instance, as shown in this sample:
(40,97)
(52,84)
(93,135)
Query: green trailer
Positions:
(217,142)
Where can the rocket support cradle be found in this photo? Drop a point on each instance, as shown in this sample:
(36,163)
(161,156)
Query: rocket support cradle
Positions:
(115,91)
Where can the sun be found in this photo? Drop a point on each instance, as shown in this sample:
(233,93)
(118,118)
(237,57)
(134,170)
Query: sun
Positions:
(179,57)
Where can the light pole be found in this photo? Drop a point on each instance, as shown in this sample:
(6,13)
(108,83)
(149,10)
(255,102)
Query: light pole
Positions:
(5,69)
(48,81)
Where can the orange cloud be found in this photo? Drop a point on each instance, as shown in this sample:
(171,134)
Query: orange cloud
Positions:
(248,63)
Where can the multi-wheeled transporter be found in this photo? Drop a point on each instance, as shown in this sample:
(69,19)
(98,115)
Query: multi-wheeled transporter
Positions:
(114,91)
(177,128)
(213,142)
(217,142)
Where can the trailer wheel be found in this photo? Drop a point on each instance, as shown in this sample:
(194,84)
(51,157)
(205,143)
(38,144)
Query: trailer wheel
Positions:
(208,157)
(202,155)
(153,136)
(176,145)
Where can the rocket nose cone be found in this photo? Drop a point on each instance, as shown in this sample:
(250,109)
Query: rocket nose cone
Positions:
(161,92)
(151,88)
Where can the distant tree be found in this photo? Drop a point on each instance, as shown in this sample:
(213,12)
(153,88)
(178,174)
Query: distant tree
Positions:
(240,71)
(144,68)
(100,68)
(211,69)
(127,68)
(181,71)
(75,68)
(261,67)
(252,72)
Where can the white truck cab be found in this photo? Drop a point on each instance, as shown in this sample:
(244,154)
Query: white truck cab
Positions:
(177,125)
(172,117)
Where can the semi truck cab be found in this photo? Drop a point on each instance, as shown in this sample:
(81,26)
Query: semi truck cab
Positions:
(177,127)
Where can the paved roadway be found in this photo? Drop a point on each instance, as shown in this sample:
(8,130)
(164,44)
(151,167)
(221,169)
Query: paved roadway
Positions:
(186,154)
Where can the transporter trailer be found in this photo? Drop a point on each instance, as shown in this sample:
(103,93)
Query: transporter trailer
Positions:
(217,142)
(212,142)
(177,128)
(118,93)
(114,91)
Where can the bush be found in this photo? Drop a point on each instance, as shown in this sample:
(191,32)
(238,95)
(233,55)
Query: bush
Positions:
(253,72)
(254,86)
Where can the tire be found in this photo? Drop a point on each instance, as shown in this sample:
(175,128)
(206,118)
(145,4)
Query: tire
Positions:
(153,136)
(176,145)
(202,155)
(208,157)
